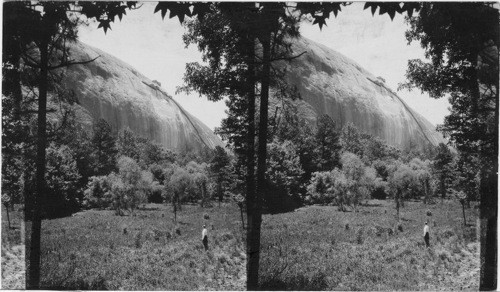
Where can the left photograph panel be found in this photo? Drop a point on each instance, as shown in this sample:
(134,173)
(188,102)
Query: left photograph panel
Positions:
(116,175)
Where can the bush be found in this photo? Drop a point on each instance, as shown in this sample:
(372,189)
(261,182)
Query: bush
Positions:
(359,236)
(206,216)
(429,213)
(138,240)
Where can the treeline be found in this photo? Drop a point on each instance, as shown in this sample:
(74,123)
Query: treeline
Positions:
(145,172)
(95,167)
(327,164)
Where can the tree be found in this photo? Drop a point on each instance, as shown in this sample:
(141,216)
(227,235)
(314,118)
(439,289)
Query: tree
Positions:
(219,167)
(178,186)
(127,144)
(327,144)
(462,198)
(199,180)
(400,184)
(319,189)
(62,181)
(283,174)
(245,34)
(466,172)
(129,187)
(362,180)
(41,44)
(151,152)
(462,42)
(422,170)
(441,164)
(350,139)
(292,126)
(96,195)
(240,201)
(104,148)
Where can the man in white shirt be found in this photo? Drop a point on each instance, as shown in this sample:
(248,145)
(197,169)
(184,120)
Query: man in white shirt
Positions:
(426,234)
(204,237)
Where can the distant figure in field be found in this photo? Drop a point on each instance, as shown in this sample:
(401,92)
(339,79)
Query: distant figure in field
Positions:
(426,234)
(204,237)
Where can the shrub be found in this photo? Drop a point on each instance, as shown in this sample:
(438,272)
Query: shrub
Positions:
(429,213)
(138,240)
(470,234)
(206,216)
(447,233)
(359,236)
(168,235)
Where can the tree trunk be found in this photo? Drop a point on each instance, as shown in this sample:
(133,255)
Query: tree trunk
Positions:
(242,218)
(219,189)
(16,90)
(254,240)
(8,216)
(33,277)
(252,264)
(426,191)
(442,184)
(462,202)
(174,201)
(397,206)
(488,189)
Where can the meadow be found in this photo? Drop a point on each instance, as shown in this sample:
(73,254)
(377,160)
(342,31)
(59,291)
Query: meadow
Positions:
(13,275)
(321,248)
(98,250)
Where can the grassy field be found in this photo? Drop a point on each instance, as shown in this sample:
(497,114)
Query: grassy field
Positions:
(320,248)
(147,251)
(13,276)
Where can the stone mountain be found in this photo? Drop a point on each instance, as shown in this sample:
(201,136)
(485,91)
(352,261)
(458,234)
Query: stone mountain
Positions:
(330,83)
(109,88)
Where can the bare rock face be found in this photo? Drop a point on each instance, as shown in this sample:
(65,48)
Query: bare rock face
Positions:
(330,83)
(109,88)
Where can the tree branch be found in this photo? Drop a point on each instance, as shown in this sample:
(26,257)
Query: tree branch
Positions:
(69,63)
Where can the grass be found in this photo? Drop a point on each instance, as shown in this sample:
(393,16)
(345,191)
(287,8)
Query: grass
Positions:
(98,250)
(13,268)
(314,249)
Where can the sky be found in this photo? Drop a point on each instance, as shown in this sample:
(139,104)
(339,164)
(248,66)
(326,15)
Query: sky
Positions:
(154,47)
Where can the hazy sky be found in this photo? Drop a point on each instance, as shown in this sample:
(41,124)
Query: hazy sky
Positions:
(155,48)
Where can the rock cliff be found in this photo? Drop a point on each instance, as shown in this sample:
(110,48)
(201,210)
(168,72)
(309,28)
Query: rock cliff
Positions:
(330,83)
(109,88)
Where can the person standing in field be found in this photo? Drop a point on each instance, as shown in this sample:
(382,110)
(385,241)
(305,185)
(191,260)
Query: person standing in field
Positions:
(426,234)
(204,237)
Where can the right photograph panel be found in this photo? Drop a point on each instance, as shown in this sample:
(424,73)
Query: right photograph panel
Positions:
(376,158)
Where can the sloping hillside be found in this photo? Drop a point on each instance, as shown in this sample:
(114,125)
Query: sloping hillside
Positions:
(332,84)
(111,89)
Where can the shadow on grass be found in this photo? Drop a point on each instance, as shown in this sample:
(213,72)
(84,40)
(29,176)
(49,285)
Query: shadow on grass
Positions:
(296,283)
(149,208)
(372,205)
(99,283)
